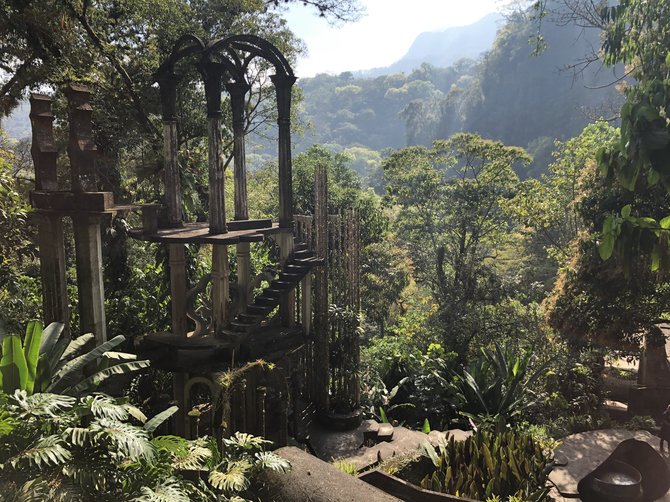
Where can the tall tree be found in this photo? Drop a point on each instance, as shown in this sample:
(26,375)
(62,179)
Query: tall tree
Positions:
(450,216)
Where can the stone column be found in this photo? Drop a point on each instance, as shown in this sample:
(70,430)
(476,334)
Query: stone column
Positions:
(238,92)
(168,91)
(321,375)
(55,303)
(178,288)
(283,84)
(212,74)
(88,243)
(88,246)
(220,282)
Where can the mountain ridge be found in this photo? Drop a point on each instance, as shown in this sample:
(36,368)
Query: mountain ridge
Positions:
(442,48)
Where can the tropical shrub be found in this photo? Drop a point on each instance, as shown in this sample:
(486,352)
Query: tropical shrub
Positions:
(46,361)
(498,387)
(489,464)
(99,448)
(407,385)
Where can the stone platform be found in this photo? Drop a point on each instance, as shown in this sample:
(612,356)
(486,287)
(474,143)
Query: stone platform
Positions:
(583,452)
(351,447)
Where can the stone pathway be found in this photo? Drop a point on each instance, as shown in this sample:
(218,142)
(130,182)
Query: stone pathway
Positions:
(584,452)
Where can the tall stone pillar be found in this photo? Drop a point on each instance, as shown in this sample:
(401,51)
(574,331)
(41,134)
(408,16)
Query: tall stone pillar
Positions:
(283,84)
(55,303)
(88,244)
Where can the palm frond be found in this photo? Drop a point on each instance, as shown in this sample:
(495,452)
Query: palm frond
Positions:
(103,406)
(35,490)
(80,436)
(49,450)
(175,445)
(272,461)
(42,404)
(195,459)
(97,378)
(245,441)
(151,425)
(131,442)
(71,371)
(231,476)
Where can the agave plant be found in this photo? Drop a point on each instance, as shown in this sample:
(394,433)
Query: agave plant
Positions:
(46,361)
(498,387)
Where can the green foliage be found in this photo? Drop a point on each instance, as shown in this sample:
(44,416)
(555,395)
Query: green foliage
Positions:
(486,465)
(498,387)
(346,467)
(406,384)
(47,361)
(639,161)
(449,213)
(547,208)
(15,231)
(93,447)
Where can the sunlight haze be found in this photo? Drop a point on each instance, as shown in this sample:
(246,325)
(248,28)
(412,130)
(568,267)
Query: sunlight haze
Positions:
(380,37)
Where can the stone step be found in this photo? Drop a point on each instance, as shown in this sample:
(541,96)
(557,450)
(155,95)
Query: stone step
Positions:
(272,293)
(249,318)
(304,253)
(282,285)
(293,278)
(385,432)
(266,301)
(259,310)
(299,246)
(242,327)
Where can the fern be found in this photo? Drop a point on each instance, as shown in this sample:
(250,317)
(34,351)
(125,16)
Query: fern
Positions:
(48,451)
(231,476)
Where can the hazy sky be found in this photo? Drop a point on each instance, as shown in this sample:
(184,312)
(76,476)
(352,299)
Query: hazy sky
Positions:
(381,37)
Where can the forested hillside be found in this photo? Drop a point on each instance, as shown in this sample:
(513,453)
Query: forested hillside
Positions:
(511,94)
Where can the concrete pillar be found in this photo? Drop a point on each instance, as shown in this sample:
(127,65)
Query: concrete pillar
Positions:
(220,282)
(55,302)
(88,246)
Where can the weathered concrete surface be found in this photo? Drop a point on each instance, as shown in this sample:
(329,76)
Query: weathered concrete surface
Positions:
(313,480)
(586,451)
(348,446)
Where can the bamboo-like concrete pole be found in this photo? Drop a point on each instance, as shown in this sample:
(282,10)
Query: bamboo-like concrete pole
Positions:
(321,374)
(238,92)
(55,303)
(88,242)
